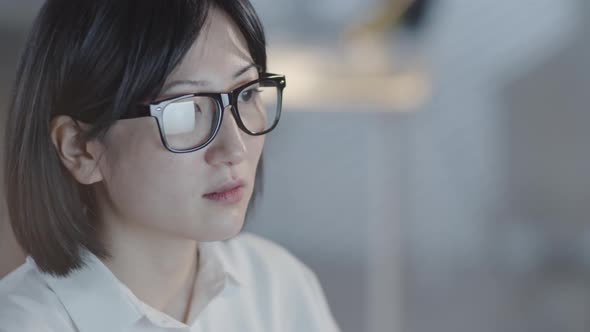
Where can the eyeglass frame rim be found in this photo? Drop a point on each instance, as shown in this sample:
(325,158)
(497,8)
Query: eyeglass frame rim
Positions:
(222,99)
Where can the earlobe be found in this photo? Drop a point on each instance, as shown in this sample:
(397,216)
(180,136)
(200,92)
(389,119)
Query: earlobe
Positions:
(79,157)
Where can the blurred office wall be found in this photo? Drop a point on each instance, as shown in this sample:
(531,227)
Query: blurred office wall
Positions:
(11,39)
(473,261)
(492,191)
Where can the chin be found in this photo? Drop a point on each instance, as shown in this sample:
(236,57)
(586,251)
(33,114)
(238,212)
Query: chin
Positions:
(223,228)
(230,235)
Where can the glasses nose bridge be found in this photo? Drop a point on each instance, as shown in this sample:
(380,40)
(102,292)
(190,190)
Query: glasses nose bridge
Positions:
(225,100)
(227,106)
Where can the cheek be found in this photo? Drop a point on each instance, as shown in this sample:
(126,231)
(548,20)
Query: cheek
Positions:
(254,147)
(143,179)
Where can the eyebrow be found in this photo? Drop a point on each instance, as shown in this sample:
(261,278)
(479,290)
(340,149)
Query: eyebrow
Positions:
(200,83)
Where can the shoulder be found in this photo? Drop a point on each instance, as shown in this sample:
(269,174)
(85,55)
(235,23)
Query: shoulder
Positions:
(271,269)
(280,280)
(260,248)
(265,257)
(28,304)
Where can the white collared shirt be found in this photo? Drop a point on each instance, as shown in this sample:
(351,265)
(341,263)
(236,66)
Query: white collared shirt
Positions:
(246,284)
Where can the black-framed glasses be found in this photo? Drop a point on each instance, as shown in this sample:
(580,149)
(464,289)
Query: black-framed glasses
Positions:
(190,122)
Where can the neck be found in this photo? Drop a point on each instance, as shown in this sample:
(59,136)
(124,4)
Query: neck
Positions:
(157,267)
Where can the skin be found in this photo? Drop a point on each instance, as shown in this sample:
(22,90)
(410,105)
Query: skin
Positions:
(151,200)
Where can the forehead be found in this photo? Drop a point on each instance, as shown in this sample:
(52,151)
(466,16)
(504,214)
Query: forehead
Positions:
(219,51)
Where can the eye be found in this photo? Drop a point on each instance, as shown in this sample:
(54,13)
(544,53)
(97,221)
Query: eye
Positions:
(247,95)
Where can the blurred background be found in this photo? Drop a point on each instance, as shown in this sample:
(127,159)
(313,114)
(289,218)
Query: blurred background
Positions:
(431,166)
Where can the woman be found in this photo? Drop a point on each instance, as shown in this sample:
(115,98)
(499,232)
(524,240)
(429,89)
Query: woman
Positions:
(133,140)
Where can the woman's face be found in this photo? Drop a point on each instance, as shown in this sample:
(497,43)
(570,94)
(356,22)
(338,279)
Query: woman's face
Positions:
(145,184)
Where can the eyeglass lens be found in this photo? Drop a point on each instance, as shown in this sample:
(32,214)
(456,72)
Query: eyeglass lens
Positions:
(190,122)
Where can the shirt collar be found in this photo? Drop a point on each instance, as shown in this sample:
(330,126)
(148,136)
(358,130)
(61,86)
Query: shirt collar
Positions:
(97,301)
(219,254)
(92,297)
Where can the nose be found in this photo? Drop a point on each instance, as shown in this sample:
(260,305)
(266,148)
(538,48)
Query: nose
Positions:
(228,146)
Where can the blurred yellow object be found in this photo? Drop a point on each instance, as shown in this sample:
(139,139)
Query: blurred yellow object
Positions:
(329,80)
(360,73)
(382,21)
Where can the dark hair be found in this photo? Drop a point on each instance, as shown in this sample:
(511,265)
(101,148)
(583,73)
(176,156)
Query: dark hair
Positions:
(91,60)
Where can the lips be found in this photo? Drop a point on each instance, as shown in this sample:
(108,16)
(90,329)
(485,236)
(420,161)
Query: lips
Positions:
(229,193)
(226,187)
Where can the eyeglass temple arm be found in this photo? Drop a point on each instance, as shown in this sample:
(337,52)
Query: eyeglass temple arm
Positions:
(137,112)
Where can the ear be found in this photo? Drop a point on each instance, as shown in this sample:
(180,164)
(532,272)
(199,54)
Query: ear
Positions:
(80,158)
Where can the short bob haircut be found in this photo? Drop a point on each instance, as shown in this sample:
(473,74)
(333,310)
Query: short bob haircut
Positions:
(93,61)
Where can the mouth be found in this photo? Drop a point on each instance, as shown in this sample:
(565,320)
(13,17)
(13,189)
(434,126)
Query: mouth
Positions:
(229,193)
